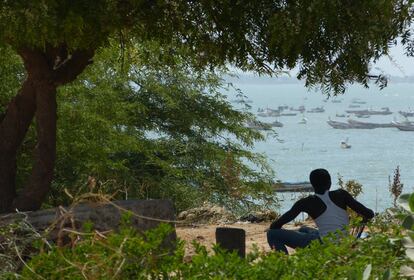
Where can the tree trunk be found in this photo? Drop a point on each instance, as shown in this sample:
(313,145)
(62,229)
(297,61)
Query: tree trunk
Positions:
(47,69)
(13,128)
(36,189)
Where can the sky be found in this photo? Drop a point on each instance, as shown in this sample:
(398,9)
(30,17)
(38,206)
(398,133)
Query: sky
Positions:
(402,65)
(396,64)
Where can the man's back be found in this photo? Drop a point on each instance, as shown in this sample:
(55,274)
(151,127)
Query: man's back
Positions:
(326,208)
(315,207)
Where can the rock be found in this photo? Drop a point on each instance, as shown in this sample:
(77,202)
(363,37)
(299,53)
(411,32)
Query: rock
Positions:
(206,215)
(146,214)
(190,217)
(182,215)
(260,216)
(267,215)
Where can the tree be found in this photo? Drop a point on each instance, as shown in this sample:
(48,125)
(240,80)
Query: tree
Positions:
(333,43)
(151,130)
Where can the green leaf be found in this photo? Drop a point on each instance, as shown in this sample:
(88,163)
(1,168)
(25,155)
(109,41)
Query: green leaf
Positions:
(406,271)
(408,222)
(411,202)
(367,272)
(404,197)
(410,253)
(403,202)
(387,275)
(408,242)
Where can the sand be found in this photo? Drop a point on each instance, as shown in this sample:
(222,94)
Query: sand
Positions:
(205,235)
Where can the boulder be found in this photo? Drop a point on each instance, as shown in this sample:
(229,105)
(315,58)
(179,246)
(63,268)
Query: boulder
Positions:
(259,216)
(207,214)
(145,214)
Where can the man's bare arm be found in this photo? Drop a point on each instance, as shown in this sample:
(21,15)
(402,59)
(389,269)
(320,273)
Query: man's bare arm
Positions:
(288,216)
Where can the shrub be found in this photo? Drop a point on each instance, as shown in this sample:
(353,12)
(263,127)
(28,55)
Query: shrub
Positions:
(131,255)
(124,255)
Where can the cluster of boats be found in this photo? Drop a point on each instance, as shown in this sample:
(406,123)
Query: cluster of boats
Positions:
(406,114)
(287,111)
(353,124)
(263,125)
(349,124)
(370,112)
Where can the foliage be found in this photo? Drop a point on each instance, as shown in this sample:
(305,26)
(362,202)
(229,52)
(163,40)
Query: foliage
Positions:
(129,255)
(152,129)
(11,76)
(355,189)
(17,243)
(395,187)
(406,201)
(331,42)
(351,186)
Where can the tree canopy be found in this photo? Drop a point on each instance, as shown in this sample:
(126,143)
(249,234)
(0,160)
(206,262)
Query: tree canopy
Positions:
(331,42)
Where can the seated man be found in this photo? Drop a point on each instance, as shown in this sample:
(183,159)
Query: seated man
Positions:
(326,208)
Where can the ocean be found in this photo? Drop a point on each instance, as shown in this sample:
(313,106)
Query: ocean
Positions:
(300,148)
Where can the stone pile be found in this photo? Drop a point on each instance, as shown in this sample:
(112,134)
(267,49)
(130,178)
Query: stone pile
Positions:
(207,214)
(259,216)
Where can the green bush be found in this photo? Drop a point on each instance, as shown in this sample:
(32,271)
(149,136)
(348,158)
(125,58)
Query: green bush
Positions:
(123,255)
(130,255)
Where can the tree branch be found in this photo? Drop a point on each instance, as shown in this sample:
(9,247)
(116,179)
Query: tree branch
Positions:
(71,68)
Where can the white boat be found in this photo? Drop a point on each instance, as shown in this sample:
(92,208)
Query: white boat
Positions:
(303,121)
(345,145)
(276,123)
(316,110)
(409,113)
(340,115)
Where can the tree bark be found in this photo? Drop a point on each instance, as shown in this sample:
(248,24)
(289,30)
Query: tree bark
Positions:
(46,71)
(13,128)
(36,189)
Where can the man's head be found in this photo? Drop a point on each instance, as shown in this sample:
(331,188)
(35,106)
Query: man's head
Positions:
(320,180)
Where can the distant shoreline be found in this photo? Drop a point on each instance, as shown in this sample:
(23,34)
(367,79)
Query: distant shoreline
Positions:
(254,79)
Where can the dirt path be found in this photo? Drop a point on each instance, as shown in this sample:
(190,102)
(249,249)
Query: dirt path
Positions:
(205,235)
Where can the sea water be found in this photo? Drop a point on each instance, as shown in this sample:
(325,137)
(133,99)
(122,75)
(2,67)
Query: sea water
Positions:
(300,148)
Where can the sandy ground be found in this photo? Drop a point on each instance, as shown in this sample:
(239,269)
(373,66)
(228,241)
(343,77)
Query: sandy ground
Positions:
(205,235)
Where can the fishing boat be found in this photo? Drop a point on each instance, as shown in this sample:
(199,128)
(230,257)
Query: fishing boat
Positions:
(288,114)
(358,101)
(239,101)
(316,110)
(362,116)
(406,121)
(299,109)
(339,125)
(259,125)
(383,111)
(368,125)
(340,115)
(406,114)
(345,145)
(276,123)
(404,127)
(303,121)
(293,187)
(353,124)
(269,113)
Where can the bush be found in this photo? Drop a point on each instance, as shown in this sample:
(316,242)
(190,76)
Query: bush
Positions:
(130,255)
(124,255)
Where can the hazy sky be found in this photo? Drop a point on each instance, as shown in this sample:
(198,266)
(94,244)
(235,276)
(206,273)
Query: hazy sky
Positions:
(403,66)
(397,64)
